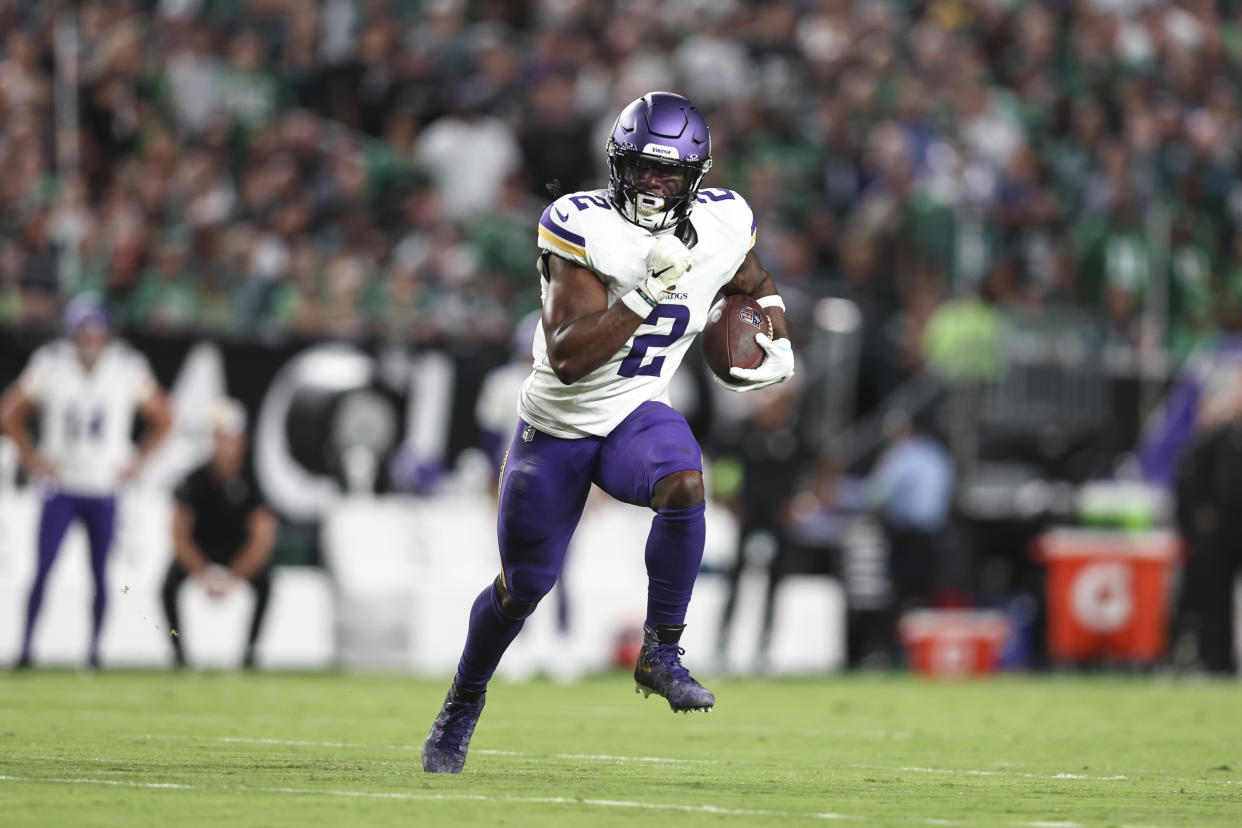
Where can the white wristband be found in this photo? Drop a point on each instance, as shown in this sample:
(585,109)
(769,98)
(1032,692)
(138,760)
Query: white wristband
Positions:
(771,302)
(636,302)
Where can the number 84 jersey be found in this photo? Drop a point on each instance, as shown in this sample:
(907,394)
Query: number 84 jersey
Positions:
(87,415)
(585,229)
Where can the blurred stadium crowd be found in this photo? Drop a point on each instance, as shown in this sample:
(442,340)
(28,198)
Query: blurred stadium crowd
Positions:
(376,167)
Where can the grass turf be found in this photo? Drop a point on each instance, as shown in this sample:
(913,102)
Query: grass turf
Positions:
(112,749)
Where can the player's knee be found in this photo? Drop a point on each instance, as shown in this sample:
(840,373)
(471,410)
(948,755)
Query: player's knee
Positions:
(511,606)
(679,490)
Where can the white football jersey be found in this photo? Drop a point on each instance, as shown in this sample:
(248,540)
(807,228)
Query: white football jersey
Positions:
(87,416)
(585,229)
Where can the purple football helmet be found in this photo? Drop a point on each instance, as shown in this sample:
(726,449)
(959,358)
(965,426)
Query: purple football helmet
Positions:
(658,153)
(85,310)
(86,323)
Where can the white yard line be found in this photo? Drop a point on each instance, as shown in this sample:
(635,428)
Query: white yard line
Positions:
(1018,774)
(526,800)
(585,757)
(589,757)
(304,743)
(849,733)
(120,783)
(402,795)
(561,800)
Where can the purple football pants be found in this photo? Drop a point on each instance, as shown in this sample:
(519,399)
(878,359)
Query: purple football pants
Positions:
(60,510)
(543,488)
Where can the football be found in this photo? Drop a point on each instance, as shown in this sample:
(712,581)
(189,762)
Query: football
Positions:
(729,337)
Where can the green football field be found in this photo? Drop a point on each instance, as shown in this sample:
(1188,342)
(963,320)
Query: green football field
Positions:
(222,749)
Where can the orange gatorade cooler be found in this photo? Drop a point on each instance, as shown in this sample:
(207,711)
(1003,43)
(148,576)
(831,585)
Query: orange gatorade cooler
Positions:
(954,643)
(1107,592)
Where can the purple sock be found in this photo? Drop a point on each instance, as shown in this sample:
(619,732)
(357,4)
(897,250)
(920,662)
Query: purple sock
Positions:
(492,630)
(98,606)
(674,550)
(33,604)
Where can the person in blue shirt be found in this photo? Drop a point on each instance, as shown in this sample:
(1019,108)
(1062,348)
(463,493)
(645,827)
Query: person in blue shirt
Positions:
(911,488)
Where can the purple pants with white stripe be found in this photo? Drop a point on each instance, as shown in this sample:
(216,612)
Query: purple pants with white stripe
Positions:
(60,510)
(543,488)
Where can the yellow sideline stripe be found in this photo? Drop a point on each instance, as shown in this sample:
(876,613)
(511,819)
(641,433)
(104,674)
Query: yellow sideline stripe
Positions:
(553,239)
(752,237)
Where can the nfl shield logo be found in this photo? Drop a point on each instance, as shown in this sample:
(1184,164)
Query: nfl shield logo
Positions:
(528,434)
(750,316)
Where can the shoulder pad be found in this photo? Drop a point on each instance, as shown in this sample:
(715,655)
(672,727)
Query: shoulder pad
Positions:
(731,209)
(124,354)
(52,355)
(561,227)
(55,349)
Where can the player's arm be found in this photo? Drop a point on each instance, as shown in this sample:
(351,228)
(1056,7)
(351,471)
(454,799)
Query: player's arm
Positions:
(157,413)
(753,279)
(185,550)
(582,331)
(260,541)
(16,409)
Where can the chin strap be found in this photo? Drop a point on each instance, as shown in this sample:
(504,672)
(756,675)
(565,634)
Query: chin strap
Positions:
(687,234)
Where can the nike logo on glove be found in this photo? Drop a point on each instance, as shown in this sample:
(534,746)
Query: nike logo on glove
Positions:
(656,275)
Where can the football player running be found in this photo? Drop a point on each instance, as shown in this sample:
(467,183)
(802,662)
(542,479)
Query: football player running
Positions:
(87,389)
(629,274)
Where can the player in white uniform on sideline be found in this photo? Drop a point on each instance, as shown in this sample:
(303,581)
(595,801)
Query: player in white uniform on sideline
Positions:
(86,389)
(629,274)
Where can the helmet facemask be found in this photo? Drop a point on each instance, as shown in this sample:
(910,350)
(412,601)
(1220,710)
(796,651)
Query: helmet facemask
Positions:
(653,192)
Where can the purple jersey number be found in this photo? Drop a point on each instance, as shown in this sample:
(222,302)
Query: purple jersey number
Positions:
(632,365)
(79,427)
(714,194)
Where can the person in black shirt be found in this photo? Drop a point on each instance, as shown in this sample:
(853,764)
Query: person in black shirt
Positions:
(770,456)
(223,532)
(1208,488)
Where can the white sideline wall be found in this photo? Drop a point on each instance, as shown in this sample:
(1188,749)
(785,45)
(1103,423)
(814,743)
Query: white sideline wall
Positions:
(395,594)
(297,632)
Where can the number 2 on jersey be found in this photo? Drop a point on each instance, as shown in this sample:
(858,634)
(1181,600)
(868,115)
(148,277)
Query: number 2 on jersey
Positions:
(632,365)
